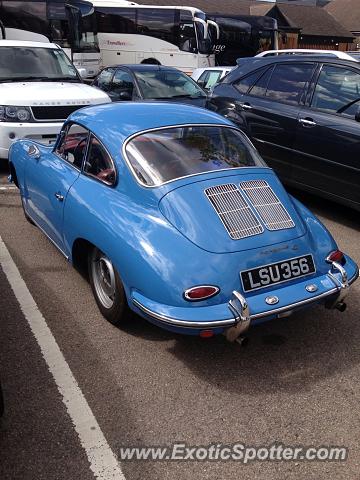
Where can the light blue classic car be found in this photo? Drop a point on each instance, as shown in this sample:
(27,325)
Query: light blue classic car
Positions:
(177,217)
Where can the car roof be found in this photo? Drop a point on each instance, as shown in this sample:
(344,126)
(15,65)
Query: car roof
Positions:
(253,63)
(204,69)
(23,43)
(113,123)
(143,67)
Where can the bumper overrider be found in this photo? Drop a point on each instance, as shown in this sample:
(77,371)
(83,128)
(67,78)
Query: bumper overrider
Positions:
(234,317)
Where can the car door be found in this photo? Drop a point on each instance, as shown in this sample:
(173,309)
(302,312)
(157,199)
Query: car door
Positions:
(328,136)
(103,80)
(269,110)
(123,86)
(50,178)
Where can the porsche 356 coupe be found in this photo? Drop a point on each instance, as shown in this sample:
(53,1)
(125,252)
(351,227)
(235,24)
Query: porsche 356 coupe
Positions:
(178,218)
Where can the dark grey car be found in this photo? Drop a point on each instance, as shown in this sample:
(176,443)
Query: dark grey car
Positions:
(303,116)
(149,82)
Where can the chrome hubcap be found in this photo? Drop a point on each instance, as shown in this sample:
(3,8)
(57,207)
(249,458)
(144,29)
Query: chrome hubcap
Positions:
(104,279)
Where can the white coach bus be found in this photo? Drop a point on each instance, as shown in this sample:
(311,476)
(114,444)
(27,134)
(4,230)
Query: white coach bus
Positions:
(164,35)
(71,24)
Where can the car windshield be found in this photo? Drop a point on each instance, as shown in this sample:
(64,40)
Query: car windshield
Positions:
(161,84)
(35,63)
(159,156)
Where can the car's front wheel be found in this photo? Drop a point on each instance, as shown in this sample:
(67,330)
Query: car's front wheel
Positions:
(107,287)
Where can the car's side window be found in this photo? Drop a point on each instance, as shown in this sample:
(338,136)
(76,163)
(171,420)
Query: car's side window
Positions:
(245,83)
(103,80)
(98,163)
(123,85)
(337,91)
(259,88)
(288,81)
(209,79)
(72,144)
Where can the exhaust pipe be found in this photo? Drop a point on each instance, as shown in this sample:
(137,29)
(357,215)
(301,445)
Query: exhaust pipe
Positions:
(341,306)
(242,340)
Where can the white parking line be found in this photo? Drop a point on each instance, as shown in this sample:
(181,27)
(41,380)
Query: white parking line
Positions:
(102,459)
(8,187)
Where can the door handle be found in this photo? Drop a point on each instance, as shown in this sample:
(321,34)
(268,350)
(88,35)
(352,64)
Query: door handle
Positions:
(59,197)
(246,106)
(307,122)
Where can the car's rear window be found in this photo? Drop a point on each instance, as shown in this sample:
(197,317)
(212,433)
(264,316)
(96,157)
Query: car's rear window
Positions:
(163,155)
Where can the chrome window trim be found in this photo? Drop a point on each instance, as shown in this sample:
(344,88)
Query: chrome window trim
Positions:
(54,151)
(109,155)
(149,130)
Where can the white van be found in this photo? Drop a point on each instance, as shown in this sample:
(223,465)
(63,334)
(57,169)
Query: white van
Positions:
(39,88)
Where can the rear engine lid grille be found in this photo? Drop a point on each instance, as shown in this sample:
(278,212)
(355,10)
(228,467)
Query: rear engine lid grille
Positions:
(271,211)
(57,113)
(234,211)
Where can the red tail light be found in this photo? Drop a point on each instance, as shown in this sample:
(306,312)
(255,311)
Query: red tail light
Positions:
(202,292)
(206,333)
(336,256)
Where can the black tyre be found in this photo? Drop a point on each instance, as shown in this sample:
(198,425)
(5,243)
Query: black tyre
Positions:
(150,61)
(107,287)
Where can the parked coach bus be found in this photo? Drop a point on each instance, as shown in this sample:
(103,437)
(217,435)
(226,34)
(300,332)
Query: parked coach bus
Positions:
(243,36)
(163,35)
(70,24)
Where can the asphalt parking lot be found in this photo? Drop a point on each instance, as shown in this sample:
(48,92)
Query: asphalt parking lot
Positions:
(296,383)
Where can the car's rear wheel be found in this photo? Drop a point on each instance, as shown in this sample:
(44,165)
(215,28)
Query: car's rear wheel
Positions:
(150,61)
(107,287)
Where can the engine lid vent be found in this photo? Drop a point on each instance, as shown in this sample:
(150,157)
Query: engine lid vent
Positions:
(234,211)
(267,204)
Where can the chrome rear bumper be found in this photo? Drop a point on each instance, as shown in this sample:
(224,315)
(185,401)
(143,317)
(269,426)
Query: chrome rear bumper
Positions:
(241,316)
(239,306)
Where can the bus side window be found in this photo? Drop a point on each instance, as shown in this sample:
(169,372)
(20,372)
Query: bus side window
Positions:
(187,36)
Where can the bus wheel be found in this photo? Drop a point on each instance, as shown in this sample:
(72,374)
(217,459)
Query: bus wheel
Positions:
(151,61)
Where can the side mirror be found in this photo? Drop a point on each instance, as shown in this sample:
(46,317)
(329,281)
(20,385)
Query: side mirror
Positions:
(81,72)
(357,115)
(201,83)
